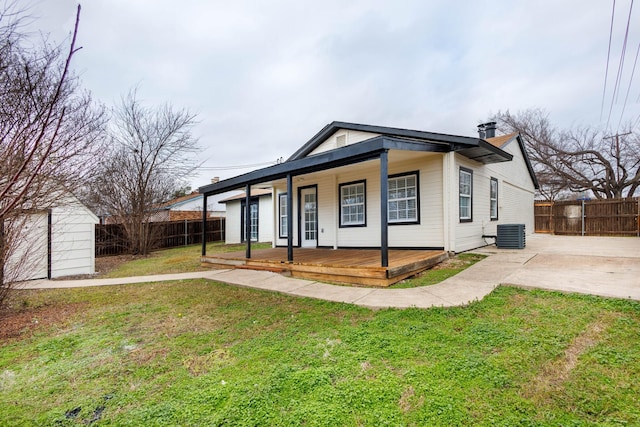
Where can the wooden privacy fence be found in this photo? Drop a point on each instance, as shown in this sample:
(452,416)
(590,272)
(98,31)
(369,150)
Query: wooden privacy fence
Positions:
(110,238)
(608,217)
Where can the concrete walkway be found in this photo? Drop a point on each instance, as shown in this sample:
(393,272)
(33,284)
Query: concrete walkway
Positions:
(593,265)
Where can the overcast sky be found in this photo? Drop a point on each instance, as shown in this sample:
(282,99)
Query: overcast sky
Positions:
(265,76)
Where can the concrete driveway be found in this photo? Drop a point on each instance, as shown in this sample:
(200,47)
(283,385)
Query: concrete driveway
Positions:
(605,266)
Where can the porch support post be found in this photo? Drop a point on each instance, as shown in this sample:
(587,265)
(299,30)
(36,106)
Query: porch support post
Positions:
(384,214)
(204,225)
(247,220)
(289,218)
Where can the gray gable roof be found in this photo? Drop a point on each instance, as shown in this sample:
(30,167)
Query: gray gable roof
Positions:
(474,148)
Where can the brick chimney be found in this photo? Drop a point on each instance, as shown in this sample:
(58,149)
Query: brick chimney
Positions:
(481,132)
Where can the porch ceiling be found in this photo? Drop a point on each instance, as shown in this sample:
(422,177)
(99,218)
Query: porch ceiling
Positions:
(394,156)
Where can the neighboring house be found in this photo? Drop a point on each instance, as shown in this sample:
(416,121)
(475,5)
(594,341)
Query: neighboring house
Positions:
(261,217)
(190,207)
(55,243)
(363,186)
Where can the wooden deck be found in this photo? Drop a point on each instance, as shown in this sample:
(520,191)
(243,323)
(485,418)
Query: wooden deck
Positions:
(352,266)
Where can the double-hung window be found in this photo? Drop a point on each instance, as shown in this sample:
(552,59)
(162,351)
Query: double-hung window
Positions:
(493,199)
(353,205)
(403,199)
(466,195)
(282,215)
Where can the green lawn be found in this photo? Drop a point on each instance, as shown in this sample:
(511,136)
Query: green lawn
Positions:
(442,271)
(176,260)
(203,353)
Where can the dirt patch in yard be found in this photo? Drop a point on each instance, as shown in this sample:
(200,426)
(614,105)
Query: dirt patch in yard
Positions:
(448,263)
(22,322)
(104,265)
(19,321)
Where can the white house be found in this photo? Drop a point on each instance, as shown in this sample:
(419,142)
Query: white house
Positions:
(261,217)
(55,243)
(363,186)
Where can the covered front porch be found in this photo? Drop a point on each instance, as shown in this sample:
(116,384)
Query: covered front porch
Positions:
(327,177)
(351,266)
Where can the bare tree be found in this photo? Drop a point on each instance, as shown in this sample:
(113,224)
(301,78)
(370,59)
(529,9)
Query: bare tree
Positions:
(49,129)
(577,160)
(152,154)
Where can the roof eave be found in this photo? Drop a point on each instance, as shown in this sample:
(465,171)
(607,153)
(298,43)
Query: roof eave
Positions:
(484,153)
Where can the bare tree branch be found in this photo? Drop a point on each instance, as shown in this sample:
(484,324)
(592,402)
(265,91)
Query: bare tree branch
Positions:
(577,160)
(152,153)
(50,130)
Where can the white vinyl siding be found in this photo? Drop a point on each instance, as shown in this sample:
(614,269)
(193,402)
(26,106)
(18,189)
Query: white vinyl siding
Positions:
(342,138)
(352,204)
(514,202)
(403,199)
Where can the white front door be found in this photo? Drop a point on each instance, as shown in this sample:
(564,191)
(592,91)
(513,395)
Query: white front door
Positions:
(309,218)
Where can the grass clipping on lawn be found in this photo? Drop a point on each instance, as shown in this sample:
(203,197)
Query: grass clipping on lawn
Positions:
(203,353)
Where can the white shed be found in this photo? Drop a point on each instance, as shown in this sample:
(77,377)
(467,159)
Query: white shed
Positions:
(55,243)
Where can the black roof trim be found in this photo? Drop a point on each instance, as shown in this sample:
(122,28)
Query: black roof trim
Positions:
(354,153)
(525,155)
(329,129)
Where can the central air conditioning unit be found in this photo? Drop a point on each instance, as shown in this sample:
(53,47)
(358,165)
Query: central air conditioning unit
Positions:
(511,236)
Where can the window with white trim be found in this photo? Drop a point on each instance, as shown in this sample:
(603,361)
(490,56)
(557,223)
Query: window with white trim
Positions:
(282,215)
(353,205)
(403,199)
(466,194)
(493,199)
